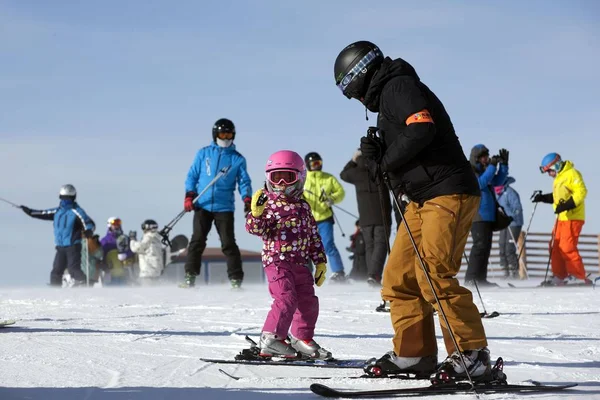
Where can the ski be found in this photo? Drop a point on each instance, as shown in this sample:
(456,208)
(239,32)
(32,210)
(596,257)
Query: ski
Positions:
(294,363)
(252,356)
(365,376)
(7,322)
(444,388)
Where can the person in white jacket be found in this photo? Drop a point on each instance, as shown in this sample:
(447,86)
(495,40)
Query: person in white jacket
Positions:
(150,252)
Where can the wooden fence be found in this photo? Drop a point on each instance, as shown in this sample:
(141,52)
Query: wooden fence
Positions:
(535,255)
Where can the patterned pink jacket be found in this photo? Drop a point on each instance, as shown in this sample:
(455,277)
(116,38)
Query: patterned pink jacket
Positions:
(288,230)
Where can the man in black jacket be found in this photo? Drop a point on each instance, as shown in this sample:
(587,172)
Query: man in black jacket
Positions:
(374,211)
(420,153)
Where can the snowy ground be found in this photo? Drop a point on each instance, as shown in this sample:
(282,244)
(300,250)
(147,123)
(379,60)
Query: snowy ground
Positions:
(144,343)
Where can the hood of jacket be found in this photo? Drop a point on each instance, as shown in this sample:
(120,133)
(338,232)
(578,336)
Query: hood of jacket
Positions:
(389,69)
(477,151)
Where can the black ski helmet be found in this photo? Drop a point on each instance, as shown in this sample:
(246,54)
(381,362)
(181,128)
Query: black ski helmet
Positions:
(223,125)
(149,225)
(355,66)
(309,158)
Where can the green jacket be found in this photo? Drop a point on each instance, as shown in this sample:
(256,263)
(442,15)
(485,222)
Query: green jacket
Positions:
(318,188)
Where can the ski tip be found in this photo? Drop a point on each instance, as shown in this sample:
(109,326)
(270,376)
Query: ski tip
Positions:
(324,391)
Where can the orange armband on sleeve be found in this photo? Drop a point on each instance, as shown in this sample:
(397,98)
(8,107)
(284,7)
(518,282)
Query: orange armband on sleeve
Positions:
(418,117)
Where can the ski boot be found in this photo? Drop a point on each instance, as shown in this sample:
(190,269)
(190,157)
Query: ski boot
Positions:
(391,366)
(236,283)
(477,363)
(338,277)
(382,307)
(271,345)
(190,281)
(310,349)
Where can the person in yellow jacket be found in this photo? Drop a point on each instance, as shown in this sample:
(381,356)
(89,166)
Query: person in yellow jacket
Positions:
(322,191)
(568,199)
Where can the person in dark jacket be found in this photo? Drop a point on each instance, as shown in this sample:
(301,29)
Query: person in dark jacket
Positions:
(216,203)
(419,151)
(374,211)
(510,200)
(490,172)
(71,224)
(359,254)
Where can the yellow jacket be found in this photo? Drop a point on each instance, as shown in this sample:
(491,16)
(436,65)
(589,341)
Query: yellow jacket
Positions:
(318,182)
(569,183)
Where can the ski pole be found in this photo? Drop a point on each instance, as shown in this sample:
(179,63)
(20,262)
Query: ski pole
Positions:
(529,224)
(484,314)
(346,211)
(335,205)
(10,202)
(551,246)
(385,177)
(337,222)
(167,229)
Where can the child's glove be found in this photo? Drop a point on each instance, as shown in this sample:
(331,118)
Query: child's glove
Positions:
(320,272)
(258,203)
(122,256)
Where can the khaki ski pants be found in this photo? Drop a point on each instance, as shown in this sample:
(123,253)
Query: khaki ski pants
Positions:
(440,229)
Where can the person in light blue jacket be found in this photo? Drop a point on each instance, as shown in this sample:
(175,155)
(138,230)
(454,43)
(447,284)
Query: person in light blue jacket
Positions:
(71,225)
(490,171)
(217,201)
(509,199)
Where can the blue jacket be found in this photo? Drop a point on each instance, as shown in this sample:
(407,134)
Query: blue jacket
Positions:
(487,179)
(70,221)
(509,199)
(207,164)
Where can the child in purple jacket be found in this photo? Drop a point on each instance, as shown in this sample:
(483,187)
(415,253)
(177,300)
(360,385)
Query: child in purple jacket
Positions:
(291,241)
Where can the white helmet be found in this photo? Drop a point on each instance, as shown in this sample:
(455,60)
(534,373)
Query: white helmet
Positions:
(67,191)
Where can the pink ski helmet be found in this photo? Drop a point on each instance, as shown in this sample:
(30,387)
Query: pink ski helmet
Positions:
(285,169)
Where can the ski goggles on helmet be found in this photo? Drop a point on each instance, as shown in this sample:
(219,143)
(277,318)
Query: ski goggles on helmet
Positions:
(315,164)
(364,62)
(283,176)
(225,135)
(114,222)
(551,166)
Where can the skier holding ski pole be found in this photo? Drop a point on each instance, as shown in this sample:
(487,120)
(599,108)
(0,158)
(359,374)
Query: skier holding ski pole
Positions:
(419,154)
(322,191)
(568,198)
(215,203)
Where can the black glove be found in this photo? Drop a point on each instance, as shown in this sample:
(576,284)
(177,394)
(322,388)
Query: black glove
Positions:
(132,235)
(88,233)
(544,198)
(495,160)
(503,153)
(371,149)
(564,205)
(26,210)
(247,205)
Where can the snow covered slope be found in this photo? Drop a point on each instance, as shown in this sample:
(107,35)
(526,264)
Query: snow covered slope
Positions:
(144,343)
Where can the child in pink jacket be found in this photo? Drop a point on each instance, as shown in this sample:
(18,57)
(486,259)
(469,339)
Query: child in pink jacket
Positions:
(291,241)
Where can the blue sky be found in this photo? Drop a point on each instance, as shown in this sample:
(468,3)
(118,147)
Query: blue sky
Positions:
(116,97)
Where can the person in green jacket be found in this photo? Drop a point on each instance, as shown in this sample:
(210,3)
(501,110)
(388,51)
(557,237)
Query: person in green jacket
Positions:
(322,191)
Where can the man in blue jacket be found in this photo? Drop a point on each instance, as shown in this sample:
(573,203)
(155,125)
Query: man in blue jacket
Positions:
(490,172)
(510,200)
(217,203)
(71,223)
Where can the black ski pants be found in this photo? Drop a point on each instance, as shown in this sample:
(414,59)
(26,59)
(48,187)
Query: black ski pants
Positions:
(203,221)
(482,234)
(68,257)
(376,243)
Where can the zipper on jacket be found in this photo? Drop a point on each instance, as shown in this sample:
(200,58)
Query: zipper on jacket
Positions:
(212,189)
